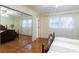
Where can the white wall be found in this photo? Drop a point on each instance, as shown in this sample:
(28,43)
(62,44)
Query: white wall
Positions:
(11,20)
(45,30)
(0,15)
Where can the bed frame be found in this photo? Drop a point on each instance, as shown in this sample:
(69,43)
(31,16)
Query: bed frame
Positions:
(50,41)
(7,35)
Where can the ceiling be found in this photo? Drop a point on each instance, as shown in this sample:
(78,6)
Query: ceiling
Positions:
(46,9)
(10,12)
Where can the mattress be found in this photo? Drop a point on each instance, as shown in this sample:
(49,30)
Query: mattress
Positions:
(61,45)
(2,31)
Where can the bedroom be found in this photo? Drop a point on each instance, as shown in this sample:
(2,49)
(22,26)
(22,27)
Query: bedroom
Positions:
(63,20)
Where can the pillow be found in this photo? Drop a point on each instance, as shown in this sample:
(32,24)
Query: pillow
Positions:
(2,27)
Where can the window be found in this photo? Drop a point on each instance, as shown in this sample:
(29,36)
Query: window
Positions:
(54,23)
(27,23)
(61,22)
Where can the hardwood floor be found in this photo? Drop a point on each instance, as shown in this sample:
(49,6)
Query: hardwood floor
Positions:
(37,45)
(19,45)
(23,45)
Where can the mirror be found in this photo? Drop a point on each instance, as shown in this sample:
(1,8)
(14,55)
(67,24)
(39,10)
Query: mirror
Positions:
(18,21)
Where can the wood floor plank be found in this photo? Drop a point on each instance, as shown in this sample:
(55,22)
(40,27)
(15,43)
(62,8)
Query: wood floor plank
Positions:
(23,45)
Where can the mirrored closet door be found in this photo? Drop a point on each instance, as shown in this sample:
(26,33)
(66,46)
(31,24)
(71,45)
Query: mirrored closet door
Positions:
(11,19)
(18,21)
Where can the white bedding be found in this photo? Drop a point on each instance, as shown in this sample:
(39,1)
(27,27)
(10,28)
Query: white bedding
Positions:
(64,45)
(2,31)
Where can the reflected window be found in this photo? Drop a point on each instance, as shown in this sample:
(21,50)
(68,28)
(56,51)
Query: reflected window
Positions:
(27,23)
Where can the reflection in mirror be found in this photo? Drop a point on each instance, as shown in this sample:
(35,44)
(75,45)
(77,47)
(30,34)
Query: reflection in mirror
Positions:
(10,18)
(27,25)
(17,26)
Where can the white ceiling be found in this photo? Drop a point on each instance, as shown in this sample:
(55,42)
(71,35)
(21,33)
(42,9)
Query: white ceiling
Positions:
(46,9)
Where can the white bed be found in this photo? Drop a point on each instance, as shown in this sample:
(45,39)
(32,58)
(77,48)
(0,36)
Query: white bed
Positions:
(2,31)
(61,45)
